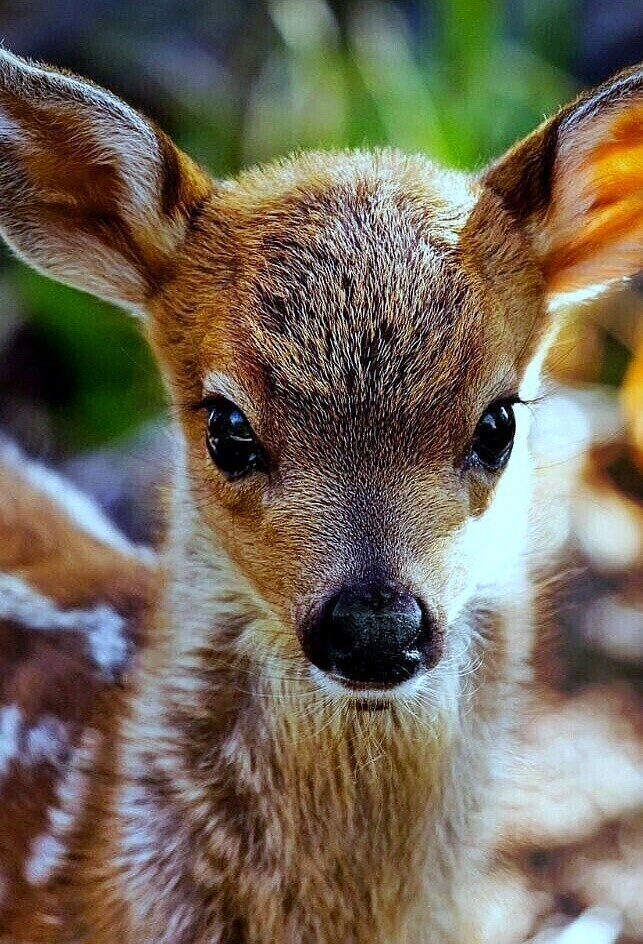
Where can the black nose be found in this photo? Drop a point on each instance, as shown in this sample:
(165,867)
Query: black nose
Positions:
(375,633)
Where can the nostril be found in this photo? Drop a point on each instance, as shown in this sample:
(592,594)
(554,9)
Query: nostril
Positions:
(342,638)
(408,618)
(406,630)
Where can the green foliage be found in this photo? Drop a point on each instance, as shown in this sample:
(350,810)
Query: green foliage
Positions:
(456,87)
(115,384)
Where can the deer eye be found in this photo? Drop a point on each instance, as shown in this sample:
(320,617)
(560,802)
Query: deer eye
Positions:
(231,442)
(494,436)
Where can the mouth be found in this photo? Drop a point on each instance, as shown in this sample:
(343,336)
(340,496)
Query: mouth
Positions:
(365,696)
(363,686)
(372,705)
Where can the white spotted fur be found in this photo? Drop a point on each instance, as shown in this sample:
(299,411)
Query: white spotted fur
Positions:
(103,628)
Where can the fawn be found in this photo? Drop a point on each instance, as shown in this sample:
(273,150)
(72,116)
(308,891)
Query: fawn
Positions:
(307,749)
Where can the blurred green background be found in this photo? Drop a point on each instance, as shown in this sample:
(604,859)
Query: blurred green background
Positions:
(241,82)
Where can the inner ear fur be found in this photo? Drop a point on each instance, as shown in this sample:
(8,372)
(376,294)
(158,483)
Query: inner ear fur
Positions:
(91,192)
(575,185)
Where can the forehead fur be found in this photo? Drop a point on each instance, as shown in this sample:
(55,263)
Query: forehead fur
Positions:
(359,289)
(354,280)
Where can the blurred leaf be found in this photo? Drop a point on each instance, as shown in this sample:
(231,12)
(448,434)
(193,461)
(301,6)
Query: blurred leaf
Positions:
(116,381)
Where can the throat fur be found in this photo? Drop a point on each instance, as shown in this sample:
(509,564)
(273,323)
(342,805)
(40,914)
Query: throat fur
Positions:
(298,821)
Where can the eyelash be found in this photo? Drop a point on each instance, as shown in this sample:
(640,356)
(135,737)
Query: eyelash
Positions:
(206,403)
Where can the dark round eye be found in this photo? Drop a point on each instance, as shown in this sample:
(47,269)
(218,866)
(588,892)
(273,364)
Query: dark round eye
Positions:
(230,440)
(494,436)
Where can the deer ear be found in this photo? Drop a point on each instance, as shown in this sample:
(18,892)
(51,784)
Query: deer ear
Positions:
(91,192)
(576,186)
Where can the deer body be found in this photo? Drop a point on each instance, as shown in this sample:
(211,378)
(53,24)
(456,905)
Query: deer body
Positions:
(307,747)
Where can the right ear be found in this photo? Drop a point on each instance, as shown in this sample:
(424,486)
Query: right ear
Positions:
(91,192)
(575,185)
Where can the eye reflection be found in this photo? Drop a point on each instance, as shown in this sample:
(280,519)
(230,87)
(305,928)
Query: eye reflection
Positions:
(494,436)
(232,445)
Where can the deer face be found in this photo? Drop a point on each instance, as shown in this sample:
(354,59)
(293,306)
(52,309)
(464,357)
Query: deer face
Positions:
(349,378)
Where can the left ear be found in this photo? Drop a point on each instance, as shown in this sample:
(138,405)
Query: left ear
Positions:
(575,185)
(92,193)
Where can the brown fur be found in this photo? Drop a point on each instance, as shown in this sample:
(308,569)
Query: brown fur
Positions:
(53,694)
(364,309)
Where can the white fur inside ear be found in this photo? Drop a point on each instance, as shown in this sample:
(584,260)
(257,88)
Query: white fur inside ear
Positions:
(66,259)
(106,133)
(560,301)
(116,134)
(593,232)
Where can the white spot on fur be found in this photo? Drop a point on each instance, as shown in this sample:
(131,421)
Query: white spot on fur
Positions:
(44,741)
(82,511)
(46,855)
(10,722)
(107,639)
(49,848)
(103,628)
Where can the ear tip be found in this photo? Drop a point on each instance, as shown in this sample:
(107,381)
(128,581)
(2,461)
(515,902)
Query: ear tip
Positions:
(625,86)
(9,64)
(9,58)
(12,65)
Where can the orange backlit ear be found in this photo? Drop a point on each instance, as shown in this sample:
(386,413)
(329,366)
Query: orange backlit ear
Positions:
(576,185)
(91,192)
